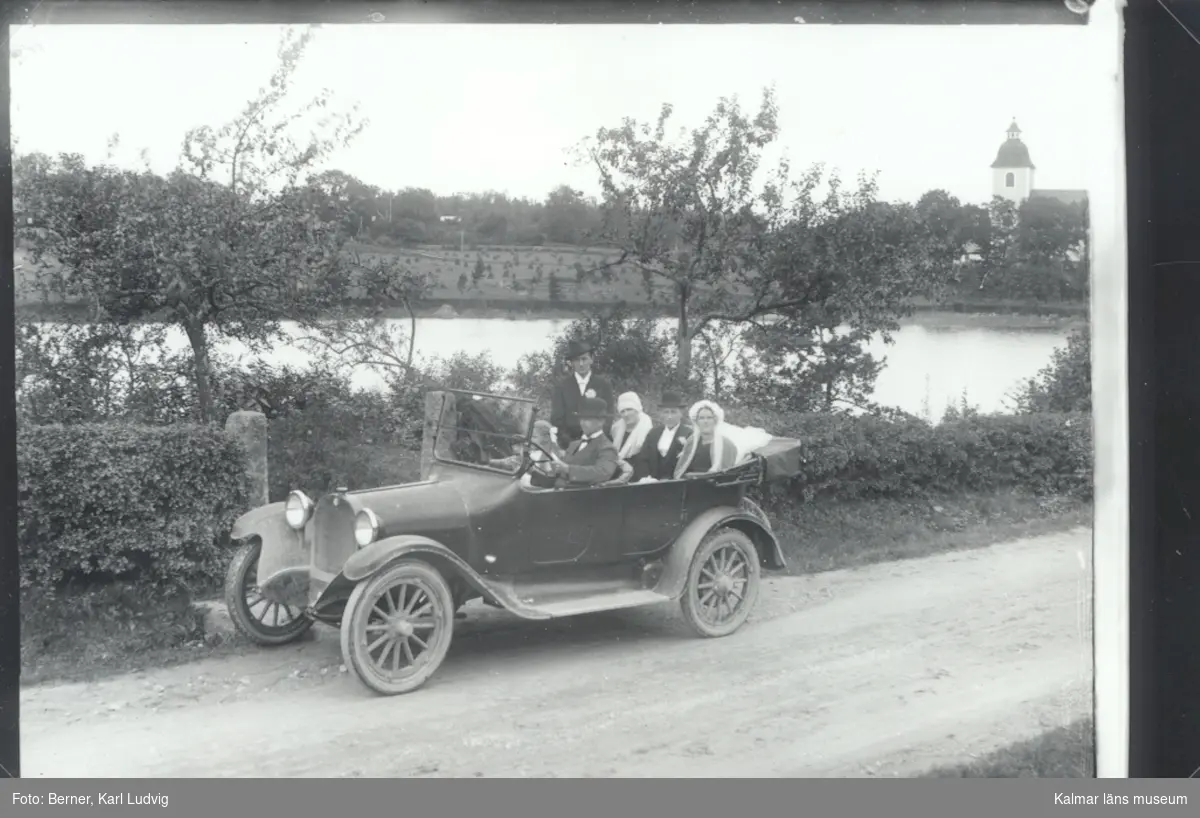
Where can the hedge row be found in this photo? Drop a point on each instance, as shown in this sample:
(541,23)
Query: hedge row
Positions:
(107,502)
(864,457)
(153,504)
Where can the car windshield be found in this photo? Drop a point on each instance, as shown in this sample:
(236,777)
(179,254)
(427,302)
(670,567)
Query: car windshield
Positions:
(482,430)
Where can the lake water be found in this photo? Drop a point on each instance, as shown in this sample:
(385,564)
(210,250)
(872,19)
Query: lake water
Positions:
(927,367)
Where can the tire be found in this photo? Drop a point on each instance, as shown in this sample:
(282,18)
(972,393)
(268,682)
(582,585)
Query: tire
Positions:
(703,605)
(404,590)
(241,586)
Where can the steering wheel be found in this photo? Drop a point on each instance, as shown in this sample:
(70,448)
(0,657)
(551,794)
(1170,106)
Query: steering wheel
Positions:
(529,461)
(542,449)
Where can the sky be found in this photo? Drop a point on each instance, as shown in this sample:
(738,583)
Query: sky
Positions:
(457,108)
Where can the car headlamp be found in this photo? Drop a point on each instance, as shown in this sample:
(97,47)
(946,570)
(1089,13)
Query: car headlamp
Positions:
(366,527)
(298,509)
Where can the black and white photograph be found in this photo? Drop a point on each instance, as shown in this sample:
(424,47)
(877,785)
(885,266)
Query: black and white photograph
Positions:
(527,401)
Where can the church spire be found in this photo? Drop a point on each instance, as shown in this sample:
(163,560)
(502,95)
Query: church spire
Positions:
(1013,153)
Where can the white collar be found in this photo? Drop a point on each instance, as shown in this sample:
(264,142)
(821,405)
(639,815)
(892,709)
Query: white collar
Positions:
(592,436)
(582,378)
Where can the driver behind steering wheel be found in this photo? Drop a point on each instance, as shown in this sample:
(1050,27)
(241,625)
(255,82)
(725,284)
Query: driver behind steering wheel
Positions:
(541,475)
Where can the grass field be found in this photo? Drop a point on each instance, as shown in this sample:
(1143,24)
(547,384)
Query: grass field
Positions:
(510,274)
(519,279)
(517,274)
(835,535)
(1067,752)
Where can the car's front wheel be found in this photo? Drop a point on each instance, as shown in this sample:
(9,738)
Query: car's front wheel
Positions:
(397,627)
(263,621)
(723,583)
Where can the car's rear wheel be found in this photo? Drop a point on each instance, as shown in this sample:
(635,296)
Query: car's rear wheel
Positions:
(397,627)
(723,583)
(263,621)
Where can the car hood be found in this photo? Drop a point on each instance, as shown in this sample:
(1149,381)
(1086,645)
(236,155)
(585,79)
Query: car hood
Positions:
(429,508)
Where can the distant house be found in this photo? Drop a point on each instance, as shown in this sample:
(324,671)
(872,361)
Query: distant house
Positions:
(450,220)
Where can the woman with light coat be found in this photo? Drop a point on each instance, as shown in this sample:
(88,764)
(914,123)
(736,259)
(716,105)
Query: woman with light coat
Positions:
(716,445)
(630,430)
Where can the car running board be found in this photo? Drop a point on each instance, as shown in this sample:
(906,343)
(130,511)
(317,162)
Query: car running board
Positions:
(601,602)
(557,599)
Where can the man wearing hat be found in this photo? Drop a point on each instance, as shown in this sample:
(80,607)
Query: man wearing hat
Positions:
(592,459)
(569,391)
(663,445)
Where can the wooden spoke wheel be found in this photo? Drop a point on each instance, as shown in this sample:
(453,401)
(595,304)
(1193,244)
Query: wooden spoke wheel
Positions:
(263,621)
(723,583)
(397,627)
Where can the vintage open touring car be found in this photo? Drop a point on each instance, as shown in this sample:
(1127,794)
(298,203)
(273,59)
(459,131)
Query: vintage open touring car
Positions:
(391,566)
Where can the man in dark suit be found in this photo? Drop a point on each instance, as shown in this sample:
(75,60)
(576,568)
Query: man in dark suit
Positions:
(664,443)
(579,384)
(592,459)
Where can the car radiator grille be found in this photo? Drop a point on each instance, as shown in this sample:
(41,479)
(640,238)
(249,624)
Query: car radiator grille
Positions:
(333,534)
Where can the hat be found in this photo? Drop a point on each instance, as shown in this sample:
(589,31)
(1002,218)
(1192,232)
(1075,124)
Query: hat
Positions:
(670,400)
(593,408)
(629,400)
(577,348)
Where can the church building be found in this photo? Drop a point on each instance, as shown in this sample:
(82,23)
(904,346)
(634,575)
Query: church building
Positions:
(1012,174)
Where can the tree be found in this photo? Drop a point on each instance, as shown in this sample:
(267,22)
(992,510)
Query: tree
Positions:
(964,226)
(630,349)
(1000,251)
(1051,238)
(554,286)
(228,245)
(1065,384)
(346,199)
(685,213)
(568,218)
(692,217)
(841,269)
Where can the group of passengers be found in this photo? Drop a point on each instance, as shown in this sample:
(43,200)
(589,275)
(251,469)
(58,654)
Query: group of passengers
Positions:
(580,445)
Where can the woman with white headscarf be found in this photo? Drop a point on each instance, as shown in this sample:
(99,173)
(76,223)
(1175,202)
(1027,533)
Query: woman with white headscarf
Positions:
(630,430)
(716,445)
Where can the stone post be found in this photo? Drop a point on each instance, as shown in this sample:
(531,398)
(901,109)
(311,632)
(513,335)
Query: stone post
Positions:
(433,409)
(250,429)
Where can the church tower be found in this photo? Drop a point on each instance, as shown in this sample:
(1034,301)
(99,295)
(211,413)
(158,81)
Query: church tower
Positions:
(1012,172)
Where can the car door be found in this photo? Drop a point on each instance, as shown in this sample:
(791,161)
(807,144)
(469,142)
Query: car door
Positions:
(574,526)
(653,517)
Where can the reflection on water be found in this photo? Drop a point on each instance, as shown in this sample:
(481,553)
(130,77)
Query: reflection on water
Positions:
(939,365)
(927,368)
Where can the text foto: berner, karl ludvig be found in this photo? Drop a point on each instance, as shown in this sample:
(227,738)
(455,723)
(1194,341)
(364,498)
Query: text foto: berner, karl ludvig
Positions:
(104,799)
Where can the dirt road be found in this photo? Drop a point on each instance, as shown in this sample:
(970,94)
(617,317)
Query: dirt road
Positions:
(886,670)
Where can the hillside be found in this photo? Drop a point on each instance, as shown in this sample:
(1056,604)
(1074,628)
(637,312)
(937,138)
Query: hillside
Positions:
(515,276)
(520,279)
(518,274)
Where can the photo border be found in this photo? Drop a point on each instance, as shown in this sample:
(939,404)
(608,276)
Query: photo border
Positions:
(59,12)
(1162,69)
(1110,390)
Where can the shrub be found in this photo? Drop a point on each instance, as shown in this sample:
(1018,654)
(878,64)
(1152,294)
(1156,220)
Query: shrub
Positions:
(308,451)
(629,349)
(323,432)
(142,504)
(849,457)
(1065,384)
